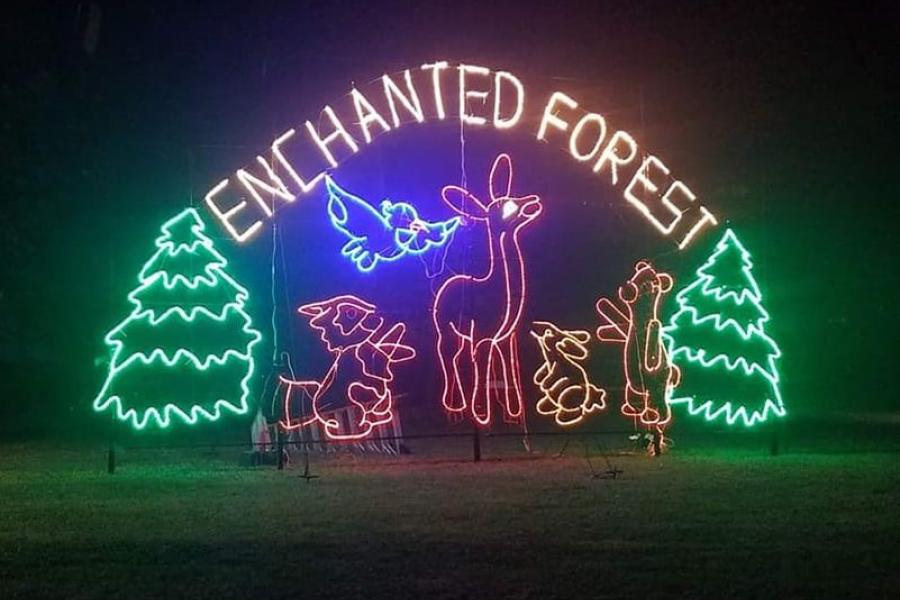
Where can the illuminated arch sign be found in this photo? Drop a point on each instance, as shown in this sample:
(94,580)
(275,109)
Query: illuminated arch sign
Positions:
(189,331)
(300,157)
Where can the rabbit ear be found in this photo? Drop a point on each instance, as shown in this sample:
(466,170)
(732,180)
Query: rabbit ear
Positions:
(572,349)
(501,177)
(582,337)
(463,202)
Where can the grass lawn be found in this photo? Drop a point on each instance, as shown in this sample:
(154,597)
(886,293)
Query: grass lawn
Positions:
(692,524)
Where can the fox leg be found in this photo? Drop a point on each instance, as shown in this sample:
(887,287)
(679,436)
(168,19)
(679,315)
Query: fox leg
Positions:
(376,404)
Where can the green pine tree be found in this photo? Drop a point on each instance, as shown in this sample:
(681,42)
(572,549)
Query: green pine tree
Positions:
(185,351)
(718,340)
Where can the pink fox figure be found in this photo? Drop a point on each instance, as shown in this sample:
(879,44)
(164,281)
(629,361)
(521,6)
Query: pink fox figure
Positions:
(649,373)
(360,376)
(477,317)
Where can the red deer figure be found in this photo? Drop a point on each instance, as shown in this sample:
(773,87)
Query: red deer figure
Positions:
(476,317)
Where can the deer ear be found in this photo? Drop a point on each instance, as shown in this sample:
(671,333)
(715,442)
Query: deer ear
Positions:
(628,292)
(501,177)
(665,282)
(463,202)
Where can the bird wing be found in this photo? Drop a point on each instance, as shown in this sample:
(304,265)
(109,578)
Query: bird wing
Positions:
(350,214)
(371,235)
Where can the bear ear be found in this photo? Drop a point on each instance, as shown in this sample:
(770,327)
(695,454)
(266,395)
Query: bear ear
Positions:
(628,292)
(641,265)
(665,282)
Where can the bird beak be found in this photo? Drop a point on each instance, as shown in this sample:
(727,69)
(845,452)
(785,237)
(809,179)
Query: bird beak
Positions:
(310,310)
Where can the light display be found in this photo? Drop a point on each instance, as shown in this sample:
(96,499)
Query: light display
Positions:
(499,121)
(364,349)
(387,234)
(474,347)
(650,376)
(614,157)
(465,93)
(567,393)
(409,99)
(485,98)
(273,188)
(225,215)
(339,133)
(582,124)
(278,152)
(706,218)
(185,351)
(718,338)
(366,115)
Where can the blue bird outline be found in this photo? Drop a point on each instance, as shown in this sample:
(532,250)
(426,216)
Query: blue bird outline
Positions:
(394,230)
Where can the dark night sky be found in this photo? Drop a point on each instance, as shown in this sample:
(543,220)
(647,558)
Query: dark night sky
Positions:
(781,115)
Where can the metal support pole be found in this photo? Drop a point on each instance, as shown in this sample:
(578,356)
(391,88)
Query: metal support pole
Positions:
(657,443)
(775,442)
(111,447)
(111,458)
(280,434)
(476,443)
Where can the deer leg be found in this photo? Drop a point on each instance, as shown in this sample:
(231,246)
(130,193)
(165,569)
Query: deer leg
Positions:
(464,371)
(515,408)
(450,349)
(499,373)
(481,405)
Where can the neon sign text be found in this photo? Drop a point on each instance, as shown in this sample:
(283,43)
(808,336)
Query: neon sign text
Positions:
(478,97)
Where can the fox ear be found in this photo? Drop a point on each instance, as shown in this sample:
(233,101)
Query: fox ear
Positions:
(463,202)
(501,177)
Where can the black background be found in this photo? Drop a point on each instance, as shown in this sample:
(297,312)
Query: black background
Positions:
(779,116)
